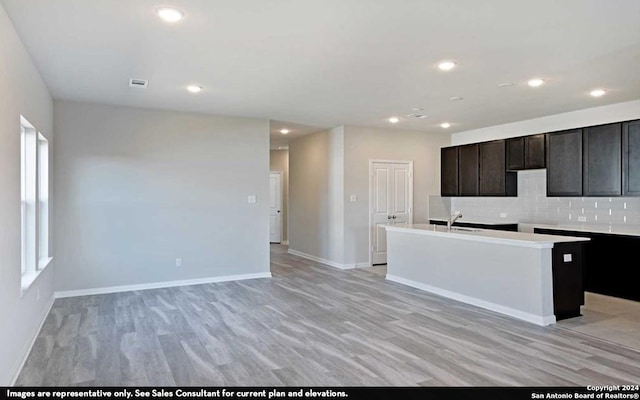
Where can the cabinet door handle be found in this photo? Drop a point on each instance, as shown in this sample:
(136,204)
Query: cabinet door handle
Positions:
(394,217)
(388,216)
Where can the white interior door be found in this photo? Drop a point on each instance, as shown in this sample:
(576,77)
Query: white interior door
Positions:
(391,201)
(275,207)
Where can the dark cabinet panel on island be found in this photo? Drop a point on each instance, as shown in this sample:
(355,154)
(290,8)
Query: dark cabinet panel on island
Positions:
(602,160)
(564,163)
(449,171)
(567,270)
(631,158)
(468,170)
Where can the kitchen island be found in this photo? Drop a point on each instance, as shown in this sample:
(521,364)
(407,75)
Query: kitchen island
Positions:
(528,276)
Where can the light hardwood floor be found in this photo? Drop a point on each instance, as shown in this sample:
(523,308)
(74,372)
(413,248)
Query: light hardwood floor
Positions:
(309,325)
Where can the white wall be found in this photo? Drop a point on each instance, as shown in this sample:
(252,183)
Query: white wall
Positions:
(574,119)
(22,91)
(279,162)
(363,144)
(139,188)
(316,188)
(327,167)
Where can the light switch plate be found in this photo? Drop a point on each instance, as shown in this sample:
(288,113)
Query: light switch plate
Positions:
(582,219)
(567,257)
(353,198)
(252,199)
(503,215)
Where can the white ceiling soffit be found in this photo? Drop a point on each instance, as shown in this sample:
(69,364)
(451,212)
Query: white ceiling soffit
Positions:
(334,62)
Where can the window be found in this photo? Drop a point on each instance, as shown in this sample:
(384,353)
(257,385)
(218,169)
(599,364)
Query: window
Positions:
(34,201)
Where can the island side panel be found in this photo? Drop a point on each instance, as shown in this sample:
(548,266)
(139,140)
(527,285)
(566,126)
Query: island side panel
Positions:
(508,279)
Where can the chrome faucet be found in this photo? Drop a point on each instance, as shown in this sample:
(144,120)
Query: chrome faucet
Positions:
(453,219)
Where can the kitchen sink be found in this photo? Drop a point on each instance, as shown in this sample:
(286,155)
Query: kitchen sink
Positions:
(457,229)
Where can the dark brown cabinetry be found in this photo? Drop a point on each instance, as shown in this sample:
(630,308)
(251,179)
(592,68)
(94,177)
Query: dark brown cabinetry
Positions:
(449,169)
(468,172)
(564,163)
(568,288)
(602,160)
(526,152)
(631,158)
(515,153)
(534,152)
(494,179)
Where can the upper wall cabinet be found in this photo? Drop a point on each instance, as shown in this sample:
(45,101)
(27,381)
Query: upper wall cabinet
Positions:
(631,158)
(494,179)
(534,152)
(564,163)
(468,173)
(515,153)
(602,160)
(526,152)
(449,169)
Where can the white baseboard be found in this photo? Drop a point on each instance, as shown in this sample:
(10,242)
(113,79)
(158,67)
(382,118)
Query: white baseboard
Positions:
(158,285)
(27,350)
(321,260)
(512,312)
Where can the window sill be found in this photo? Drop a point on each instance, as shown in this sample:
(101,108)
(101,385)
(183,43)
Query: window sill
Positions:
(28,279)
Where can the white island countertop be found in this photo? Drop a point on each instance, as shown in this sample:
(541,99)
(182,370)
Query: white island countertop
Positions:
(521,239)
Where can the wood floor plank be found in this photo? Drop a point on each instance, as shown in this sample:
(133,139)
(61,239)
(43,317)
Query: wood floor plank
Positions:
(311,325)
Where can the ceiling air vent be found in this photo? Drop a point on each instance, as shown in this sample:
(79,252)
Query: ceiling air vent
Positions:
(138,83)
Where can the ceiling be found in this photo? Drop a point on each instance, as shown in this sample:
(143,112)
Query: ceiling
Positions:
(323,63)
(280,141)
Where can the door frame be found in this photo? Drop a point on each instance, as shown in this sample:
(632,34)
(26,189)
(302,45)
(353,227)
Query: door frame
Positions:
(279,207)
(370,204)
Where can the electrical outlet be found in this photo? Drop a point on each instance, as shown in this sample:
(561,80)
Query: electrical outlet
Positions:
(353,198)
(503,215)
(582,219)
(178,262)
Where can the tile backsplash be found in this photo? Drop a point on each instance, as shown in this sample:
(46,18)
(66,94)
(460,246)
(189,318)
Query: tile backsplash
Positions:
(533,206)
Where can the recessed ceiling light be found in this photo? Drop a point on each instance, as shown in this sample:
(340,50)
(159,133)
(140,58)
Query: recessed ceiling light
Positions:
(445,125)
(535,82)
(505,84)
(194,89)
(447,65)
(456,98)
(169,14)
(394,120)
(284,131)
(598,92)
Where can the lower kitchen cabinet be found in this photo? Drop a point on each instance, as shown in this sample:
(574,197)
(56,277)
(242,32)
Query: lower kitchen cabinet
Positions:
(608,260)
